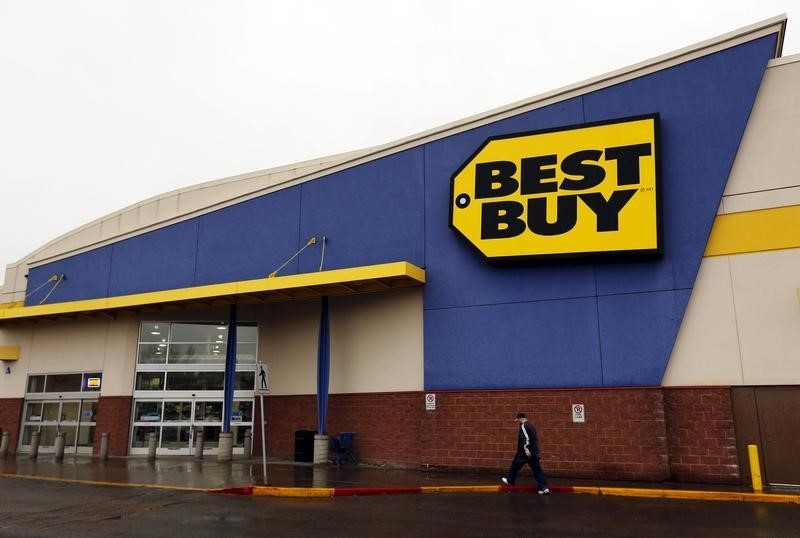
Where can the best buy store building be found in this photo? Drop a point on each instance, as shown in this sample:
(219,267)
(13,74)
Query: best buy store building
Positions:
(628,245)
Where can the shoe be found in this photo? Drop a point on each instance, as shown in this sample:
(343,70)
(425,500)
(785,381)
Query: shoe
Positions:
(505,481)
(544,491)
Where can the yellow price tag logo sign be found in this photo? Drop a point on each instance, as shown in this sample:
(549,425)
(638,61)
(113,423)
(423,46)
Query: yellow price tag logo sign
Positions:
(584,190)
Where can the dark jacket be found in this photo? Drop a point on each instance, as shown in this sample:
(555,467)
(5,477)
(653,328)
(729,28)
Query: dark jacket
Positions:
(527,438)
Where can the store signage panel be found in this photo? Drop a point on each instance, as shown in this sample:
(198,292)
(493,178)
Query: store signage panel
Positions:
(583,190)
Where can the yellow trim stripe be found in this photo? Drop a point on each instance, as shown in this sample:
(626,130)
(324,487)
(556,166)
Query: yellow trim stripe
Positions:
(404,272)
(755,231)
(9,353)
(14,304)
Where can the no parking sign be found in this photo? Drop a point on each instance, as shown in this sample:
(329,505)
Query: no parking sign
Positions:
(578,413)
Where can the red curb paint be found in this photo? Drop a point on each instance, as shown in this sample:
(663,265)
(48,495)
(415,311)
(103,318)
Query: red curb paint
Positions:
(350,492)
(562,489)
(526,489)
(244,490)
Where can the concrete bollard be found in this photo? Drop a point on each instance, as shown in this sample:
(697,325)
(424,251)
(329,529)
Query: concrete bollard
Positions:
(198,444)
(61,439)
(321,448)
(225,452)
(104,446)
(34,445)
(4,444)
(151,446)
(248,444)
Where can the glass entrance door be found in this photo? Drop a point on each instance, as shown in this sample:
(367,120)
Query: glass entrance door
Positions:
(76,418)
(177,423)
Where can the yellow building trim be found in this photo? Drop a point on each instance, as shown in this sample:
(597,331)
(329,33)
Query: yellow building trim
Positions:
(755,231)
(14,304)
(364,279)
(9,353)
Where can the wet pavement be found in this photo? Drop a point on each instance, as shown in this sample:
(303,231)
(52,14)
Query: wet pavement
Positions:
(209,474)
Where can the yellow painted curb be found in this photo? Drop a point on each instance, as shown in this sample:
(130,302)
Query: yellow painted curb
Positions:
(270,491)
(691,494)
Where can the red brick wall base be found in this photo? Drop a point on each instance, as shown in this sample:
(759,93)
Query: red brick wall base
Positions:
(114,418)
(10,420)
(629,434)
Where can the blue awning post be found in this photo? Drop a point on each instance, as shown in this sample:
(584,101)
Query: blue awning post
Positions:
(230,372)
(323,367)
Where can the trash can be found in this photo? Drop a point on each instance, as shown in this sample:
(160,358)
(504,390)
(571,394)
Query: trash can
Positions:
(304,445)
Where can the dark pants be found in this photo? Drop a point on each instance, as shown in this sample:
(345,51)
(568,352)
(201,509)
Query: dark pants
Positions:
(519,463)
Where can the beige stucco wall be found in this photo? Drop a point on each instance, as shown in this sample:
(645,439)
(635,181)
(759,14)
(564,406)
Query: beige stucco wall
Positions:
(376,344)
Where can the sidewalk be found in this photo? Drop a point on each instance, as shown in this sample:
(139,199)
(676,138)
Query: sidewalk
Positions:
(290,479)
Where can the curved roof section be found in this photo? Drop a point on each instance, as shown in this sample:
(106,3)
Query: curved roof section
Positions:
(181,204)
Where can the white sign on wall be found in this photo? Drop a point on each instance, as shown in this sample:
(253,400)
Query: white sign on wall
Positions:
(430,402)
(578,413)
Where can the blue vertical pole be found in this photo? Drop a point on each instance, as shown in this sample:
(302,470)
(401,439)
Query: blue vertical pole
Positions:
(230,372)
(323,367)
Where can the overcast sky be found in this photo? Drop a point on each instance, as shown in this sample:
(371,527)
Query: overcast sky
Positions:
(104,103)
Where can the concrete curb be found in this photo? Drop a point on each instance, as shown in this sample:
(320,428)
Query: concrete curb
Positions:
(274,491)
(307,492)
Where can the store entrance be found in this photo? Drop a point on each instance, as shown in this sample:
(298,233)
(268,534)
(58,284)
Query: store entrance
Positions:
(177,424)
(76,418)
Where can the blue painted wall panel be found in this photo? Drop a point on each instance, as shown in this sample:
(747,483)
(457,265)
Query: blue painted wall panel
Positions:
(86,275)
(533,344)
(635,330)
(370,214)
(159,260)
(249,240)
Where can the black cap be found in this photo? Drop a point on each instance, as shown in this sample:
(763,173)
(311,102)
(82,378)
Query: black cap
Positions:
(519,416)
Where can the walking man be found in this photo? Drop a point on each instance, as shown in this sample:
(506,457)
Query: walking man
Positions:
(527,452)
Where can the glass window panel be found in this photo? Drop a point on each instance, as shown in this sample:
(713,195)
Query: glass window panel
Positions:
(92,382)
(157,331)
(238,435)
(36,383)
(199,332)
(69,411)
(26,434)
(208,412)
(177,411)
(175,437)
(50,411)
(69,437)
(152,353)
(147,412)
(48,436)
(211,436)
(89,411)
(195,380)
(245,381)
(246,332)
(244,409)
(86,435)
(149,381)
(33,412)
(197,353)
(141,434)
(63,383)
(246,353)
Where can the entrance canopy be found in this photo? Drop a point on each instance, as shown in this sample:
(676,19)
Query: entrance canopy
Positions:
(350,281)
